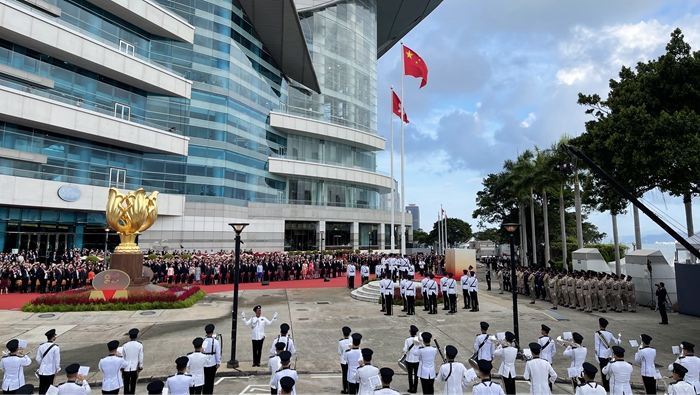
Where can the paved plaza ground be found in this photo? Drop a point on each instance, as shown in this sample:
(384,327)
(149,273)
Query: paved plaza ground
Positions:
(316,316)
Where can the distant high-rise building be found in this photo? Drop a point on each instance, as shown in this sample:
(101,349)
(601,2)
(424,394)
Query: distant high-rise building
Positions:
(415,212)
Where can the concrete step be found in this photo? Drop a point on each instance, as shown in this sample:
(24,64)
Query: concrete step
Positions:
(364,297)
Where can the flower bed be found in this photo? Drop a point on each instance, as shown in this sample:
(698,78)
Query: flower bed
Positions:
(79,300)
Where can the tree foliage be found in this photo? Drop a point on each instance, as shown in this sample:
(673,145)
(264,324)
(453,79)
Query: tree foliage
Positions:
(458,232)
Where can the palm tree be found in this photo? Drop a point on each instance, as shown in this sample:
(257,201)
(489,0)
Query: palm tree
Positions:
(545,178)
(523,188)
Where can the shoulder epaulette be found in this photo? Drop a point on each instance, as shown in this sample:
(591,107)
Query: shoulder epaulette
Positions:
(172,375)
(190,353)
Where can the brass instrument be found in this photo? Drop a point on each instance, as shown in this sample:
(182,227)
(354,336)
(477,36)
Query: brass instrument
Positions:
(444,360)
(417,341)
(497,342)
(567,342)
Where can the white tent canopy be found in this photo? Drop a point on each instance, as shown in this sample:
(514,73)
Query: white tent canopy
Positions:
(585,259)
(638,264)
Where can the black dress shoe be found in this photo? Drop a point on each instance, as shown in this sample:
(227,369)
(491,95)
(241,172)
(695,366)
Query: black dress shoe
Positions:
(343,392)
(663,323)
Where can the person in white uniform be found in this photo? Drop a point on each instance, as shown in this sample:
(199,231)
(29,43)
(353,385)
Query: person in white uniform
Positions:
(486,386)
(26,389)
(620,373)
(211,348)
(483,346)
(451,285)
(286,385)
(180,383)
(344,345)
(76,383)
(284,371)
(132,352)
(110,367)
(155,387)
(646,356)
(13,365)
(589,386)
(411,359)
(386,375)
(464,281)
(603,341)
(426,363)
(691,363)
(452,373)
(577,354)
(274,363)
(352,358)
(285,338)
(508,355)
(387,288)
(48,355)
(539,372)
(196,362)
(364,373)
(548,345)
(680,386)
(443,289)
(257,324)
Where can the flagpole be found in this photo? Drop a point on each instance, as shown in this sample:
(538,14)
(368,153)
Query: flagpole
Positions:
(445,232)
(403,188)
(439,229)
(393,184)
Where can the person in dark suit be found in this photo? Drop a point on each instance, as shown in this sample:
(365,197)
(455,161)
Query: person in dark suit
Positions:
(661,305)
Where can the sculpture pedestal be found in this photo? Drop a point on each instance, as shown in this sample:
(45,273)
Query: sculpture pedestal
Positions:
(131,264)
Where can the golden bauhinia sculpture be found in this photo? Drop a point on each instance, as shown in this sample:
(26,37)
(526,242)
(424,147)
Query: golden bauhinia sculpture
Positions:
(130,215)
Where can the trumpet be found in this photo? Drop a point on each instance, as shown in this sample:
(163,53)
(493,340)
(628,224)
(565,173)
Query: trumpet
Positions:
(567,342)
(502,342)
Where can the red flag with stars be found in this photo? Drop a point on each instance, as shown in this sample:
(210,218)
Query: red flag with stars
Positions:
(414,65)
(398,108)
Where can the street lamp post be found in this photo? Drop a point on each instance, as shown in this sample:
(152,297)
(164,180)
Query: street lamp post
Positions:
(321,246)
(238,228)
(106,235)
(512,228)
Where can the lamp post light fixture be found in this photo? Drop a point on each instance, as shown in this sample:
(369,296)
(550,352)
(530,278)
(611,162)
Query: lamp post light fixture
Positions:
(512,228)
(238,228)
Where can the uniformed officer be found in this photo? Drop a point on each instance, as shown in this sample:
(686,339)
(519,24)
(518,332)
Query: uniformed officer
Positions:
(155,387)
(464,281)
(432,289)
(411,359)
(212,349)
(508,355)
(284,371)
(531,284)
(410,297)
(443,289)
(690,362)
(388,286)
(403,282)
(48,356)
(26,389)
(13,365)
(386,375)
(474,291)
(196,362)
(364,272)
(364,372)
(589,387)
(548,346)
(587,289)
(646,356)
(71,386)
(539,372)
(426,363)
(603,341)
(452,373)
(620,373)
(257,324)
(631,296)
(602,290)
(110,367)
(274,363)
(344,345)
(351,357)
(424,291)
(286,385)
(285,338)
(551,285)
(351,275)
(451,285)
(483,346)
(577,355)
(486,386)
(133,355)
(680,386)
(180,383)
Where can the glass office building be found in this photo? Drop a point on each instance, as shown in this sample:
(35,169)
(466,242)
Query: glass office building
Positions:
(230,117)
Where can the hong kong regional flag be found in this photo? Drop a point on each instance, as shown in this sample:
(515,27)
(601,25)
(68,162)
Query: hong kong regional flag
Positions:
(414,65)
(398,108)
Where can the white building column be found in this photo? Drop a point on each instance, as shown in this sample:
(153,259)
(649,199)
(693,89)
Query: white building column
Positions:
(321,235)
(381,237)
(355,236)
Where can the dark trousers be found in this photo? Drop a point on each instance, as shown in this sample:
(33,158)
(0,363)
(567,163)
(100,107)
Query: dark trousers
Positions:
(662,311)
(112,392)
(257,351)
(388,301)
(465,295)
(453,302)
(475,300)
(381,297)
(445,301)
(45,382)
(351,282)
(488,283)
(427,385)
(412,368)
(606,383)
(344,369)
(649,385)
(426,302)
(404,302)
(196,390)
(509,384)
(433,303)
(411,300)
(352,388)
(9,392)
(209,376)
(130,381)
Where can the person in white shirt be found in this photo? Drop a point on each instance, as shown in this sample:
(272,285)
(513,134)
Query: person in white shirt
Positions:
(508,355)
(474,290)
(539,372)
(620,373)
(351,275)
(680,386)
(443,289)
(211,348)
(604,340)
(452,373)
(344,345)
(577,354)
(432,290)
(155,387)
(257,324)
(284,371)
(411,359)
(402,291)
(386,375)
(486,386)
(646,356)
(132,352)
(274,363)
(286,385)
(388,286)
(424,292)
(410,296)
(548,345)
(451,285)
(589,387)
(110,367)
(483,346)
(71,387)
(196,362)
(180,383)
(365,372)
(426,363)
(13,365)
(464,282)
(364,272)
(285,338)
(48,355)
(691,363)
(352,357)
(411,271)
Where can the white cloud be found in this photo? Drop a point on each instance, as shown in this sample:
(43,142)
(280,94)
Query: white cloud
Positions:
(571,75)
(527,122)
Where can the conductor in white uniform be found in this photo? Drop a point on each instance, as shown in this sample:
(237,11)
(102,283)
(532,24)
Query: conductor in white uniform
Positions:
(257,324)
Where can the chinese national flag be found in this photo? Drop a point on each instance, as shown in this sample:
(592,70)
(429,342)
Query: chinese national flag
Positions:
(398,108)
(414,65)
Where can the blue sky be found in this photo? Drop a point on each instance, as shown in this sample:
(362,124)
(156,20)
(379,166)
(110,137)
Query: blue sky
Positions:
(504,77)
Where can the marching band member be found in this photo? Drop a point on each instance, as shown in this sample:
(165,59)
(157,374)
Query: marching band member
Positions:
(603,341)
(344,345)
(386,375)
(351,357)
(539,372)
(620,373)
(411,360)
(548,345)
(646,356)
(590,387)
(691,363)
(483,346)
(578,356)
(508,355)
(680,386)
(454,374)
(486,386)
(365,371)
(426,363)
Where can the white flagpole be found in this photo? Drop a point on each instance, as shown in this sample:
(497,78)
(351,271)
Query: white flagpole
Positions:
(445,232)
(439,228)
(403,188)
(393,184)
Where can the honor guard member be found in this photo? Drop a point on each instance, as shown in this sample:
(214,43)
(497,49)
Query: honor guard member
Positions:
(48,356)
(452,373)
(196,362)
(680,386)
(411,271)
(646,356)
(284,371)
(13,365)
(212,349)
(531,284)
(486,386)
(351,275)
(483,347)
(132,352)
(620,373)
(388,286)
(364,372)
(76,383)
(426,363)
(508,355)
(274,363)
(432,294)
(180,383)
(474,291)
(155,387)
(257,324)
(364,272)
(386,375)
(602,303)
(577,355)
(691,363)
(286,385)
(552,290)
(424,291)
(410,296)
(402,291)
(352,357)
(443,289)
(589,387)
(603,341)
(284,338)
(548,346)
(464,281)
(539,372)
(412,359)
(631,297)
(26,389)
(452,293)
(110,367)
(344,345)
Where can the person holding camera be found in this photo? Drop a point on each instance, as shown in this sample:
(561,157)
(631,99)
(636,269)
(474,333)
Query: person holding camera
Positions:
(661,302)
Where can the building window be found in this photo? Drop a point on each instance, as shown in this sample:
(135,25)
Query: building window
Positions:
(122,111)
(117,178)
(126,47)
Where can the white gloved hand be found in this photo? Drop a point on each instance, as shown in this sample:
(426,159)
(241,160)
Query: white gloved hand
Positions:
(243,315)
(275,316)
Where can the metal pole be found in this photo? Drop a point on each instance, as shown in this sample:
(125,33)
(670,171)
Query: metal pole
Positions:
(403,180)
(393,183)
(577,203)
(233,363)
(514,290)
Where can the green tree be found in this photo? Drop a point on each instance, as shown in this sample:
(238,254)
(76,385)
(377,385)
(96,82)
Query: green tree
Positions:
(458,232)
(420,236)
(497,235)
